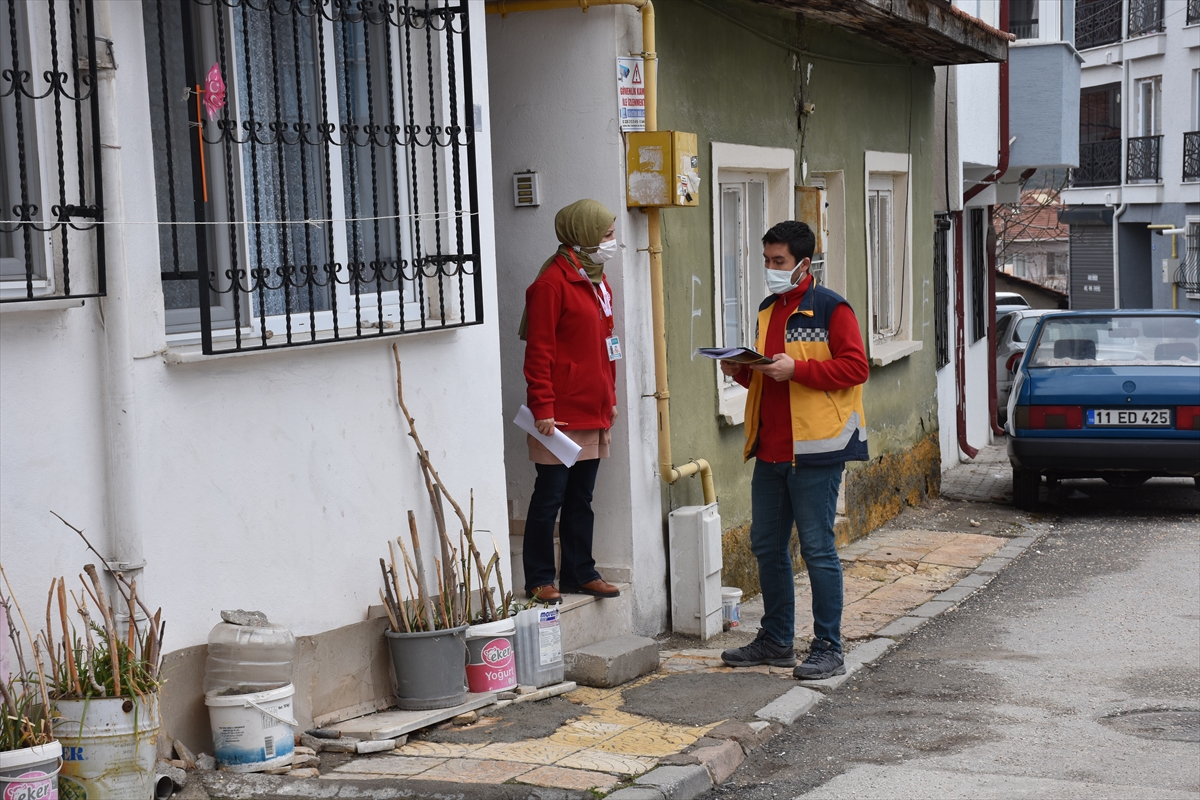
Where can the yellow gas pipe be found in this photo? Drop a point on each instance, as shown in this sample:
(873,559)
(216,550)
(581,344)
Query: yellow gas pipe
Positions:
(670,473)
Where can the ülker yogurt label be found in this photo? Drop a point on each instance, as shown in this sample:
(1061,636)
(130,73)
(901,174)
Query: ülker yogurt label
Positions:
(492,667)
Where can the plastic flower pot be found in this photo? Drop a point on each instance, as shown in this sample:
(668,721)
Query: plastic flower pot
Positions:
(430,667)
(108,746)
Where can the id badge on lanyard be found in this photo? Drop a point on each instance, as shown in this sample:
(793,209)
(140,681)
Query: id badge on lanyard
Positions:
(604,299)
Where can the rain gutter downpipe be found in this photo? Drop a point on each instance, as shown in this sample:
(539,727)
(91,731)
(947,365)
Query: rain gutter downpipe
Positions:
(670,473)
(960,345)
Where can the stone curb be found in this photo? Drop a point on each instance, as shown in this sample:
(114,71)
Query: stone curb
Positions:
(696,771)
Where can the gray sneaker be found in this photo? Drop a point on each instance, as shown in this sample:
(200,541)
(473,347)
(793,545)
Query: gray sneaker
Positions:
(761,651)
(824,661)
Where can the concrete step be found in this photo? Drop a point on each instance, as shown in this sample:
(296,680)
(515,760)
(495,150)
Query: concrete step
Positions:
(586,620)
(612,662)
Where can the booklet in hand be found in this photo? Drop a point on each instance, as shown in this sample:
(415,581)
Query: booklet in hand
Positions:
(738,355)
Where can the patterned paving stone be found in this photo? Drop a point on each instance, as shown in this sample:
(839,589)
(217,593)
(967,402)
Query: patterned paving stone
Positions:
(473,770)
(537,751)
(653,739)
(560,778)
(586,732)
(601,761)
(437,749)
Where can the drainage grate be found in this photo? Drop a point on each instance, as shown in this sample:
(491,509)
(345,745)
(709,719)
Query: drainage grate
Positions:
(1176,725)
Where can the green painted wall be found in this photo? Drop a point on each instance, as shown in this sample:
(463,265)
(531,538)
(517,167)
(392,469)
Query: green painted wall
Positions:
(728,84)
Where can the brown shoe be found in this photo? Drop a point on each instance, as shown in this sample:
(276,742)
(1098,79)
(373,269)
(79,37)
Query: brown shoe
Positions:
(544,594)
(596,588)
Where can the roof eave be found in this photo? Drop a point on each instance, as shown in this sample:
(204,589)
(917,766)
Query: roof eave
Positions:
(933,31)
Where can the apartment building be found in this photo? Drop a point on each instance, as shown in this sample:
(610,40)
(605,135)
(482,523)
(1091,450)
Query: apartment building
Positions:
(1139,156)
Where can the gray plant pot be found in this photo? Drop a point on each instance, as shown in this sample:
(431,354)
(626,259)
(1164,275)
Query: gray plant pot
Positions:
(431,668)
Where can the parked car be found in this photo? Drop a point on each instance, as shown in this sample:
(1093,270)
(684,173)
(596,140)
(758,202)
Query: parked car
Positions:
(1013,331)
(1109,394)
(1009,301)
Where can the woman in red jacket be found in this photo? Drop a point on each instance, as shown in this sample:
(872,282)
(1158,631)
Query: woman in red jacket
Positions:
(570,372)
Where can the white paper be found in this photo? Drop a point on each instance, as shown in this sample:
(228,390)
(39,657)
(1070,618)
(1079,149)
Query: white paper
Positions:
(558,443)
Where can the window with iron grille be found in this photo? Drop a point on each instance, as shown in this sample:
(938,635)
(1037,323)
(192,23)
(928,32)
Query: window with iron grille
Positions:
(1097,22)
(315,167)
(1145,16)
(51,200)
(979,319)
(941,289)
(1099,137)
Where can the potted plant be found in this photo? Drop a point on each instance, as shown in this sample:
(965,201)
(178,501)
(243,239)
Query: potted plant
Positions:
(429,630)
(30,758)
(104,685)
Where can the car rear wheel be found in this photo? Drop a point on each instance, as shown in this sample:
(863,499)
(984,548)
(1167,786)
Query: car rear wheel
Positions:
(1027,483)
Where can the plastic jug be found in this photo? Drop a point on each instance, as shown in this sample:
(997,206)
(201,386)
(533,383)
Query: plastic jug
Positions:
(539,647)
(245,659)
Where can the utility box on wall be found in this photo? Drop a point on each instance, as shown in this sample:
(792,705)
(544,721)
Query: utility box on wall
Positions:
(695,550)
(661,169)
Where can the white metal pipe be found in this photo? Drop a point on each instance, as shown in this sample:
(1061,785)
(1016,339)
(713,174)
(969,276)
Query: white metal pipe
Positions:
(123,549)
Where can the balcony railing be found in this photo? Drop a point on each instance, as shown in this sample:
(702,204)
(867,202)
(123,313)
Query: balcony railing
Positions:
(1024,29)
(1191,156)
(1099,164)
(1097,23)
(1145,16)
(1141,160)
(1193,12)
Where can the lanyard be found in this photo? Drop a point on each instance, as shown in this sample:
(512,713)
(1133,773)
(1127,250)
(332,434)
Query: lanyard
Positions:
(602,295)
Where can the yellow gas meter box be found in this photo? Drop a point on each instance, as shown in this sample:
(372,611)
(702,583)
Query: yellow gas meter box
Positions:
(661,169)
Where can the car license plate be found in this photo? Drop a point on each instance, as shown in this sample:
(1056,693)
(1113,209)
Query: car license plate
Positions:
(1129,417)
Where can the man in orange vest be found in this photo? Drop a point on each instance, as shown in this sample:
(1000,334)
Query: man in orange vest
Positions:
(804,421)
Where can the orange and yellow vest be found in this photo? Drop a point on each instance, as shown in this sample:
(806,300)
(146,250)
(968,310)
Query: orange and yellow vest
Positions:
(828,427)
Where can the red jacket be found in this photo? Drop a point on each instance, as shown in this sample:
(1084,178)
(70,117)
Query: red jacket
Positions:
(567,370)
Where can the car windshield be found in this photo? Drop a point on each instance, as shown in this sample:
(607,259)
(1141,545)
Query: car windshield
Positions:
(1025,329)
(1108,340)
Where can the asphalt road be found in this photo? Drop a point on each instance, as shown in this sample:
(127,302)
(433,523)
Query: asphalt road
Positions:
(1074,674)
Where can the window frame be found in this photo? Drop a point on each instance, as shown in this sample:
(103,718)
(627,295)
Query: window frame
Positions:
(12,268)
(778,165)
(884,348)
(1149,121)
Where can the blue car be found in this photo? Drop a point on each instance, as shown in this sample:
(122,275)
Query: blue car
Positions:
(1106,394)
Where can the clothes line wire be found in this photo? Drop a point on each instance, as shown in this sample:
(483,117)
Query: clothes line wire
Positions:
(432,217)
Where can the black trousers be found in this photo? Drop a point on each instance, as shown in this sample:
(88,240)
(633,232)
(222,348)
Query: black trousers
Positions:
(569,490)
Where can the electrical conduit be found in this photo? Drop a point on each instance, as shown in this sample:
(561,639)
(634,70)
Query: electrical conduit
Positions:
(670,473)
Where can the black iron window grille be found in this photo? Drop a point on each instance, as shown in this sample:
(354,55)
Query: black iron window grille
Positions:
(941,289)
(1097,22)
(1193,12)
(1188,274)
(316,170)
(1141,159)
(1191,156)
(1099,137)
(51,198)
(1145,16)
(979,320)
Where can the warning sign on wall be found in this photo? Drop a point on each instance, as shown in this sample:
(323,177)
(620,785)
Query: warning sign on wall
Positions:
(631,94)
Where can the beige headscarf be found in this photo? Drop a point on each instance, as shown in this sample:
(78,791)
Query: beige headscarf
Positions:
(579,227)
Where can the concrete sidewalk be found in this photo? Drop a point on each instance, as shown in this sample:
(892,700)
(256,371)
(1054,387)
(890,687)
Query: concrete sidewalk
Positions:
(676,732)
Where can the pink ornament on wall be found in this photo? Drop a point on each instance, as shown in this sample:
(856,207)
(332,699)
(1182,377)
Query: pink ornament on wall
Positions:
(214,91)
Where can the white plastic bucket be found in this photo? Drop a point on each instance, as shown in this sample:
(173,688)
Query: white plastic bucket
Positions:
(108,747)
(731,605)
(253,732)
(31,773)
(491,659)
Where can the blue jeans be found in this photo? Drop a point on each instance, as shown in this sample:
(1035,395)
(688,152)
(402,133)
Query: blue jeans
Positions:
(807,496)
(569,489)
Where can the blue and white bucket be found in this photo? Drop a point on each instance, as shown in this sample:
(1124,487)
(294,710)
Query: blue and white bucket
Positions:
(731,606)
(253,732)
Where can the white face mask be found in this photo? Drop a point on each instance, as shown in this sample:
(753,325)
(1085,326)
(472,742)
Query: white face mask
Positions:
(605,251)
(780,282)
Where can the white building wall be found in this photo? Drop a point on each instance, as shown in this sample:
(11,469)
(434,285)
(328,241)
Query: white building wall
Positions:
(564,127)
(269,481)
